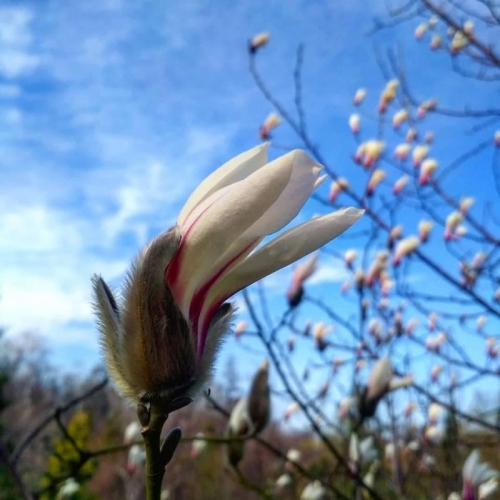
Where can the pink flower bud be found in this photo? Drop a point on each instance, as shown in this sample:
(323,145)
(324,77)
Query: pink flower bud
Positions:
(427,168)
(435,372)
(420,31)
(337,187)
(452,222)
(420,152)
(411,135)
(270,123)
(399,117)
(496,138)
(378,266)
(388,95)
(404,248)
(354,123)
(424,229)
(300,274)
(376,178)
(465,204)
(240,328)
(436,42)
(258,41)
(431,321)
(425,107)
(359,96)
(401,151)
(400,184)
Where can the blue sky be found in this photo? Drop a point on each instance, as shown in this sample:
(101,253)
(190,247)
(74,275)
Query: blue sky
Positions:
(111,112)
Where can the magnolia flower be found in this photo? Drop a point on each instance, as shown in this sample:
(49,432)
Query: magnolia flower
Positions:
(404,248)
(162,341)
(433,21)
(411,135)
(435,372)
(284,481)
(465,203)
(478,260)
(496,138)
(436,42)
(420,30)
(198,446)
(354,123)
(492,347)
(361,452)
(346,406)
(452,222)
(431,321)
(350,257)
(400,184)
(378,175)
(399,117)
(401,151)
(434,343)
(359,96)
(411,325)
(250,415)
(410,407)
(293,408)
(433,434)
(481,322)
(336,187)
(293,455)
(132,433)
(388,95)
(300,274)
(344,288)
(420,152)
(136,457)
(258,41)
(426,106)
(427,168)
(369,152)
(320,331)
(270,123)
(468,27)
(424,229)
(475,474)
(487,488)
(459,41)
(378,266)
(434,411)
(314,491)
(240,328)
(377,387)
(394,234)
(68,489)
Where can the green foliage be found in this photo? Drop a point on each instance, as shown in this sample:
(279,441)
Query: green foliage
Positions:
(66,461)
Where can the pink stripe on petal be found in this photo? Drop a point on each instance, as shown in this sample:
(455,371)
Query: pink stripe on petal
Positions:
(173,270)
(200,295)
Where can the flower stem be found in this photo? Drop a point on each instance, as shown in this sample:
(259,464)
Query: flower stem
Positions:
(155,466)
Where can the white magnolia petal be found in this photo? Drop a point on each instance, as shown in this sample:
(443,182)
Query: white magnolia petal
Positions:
(290,246)
(305,172)
(302,183)
(470,465)
(220,227)
(233,171)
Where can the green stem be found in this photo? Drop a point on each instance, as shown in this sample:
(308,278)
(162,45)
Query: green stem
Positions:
(155,468)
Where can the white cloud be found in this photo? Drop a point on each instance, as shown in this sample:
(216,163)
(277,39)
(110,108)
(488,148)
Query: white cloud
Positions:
(17,56)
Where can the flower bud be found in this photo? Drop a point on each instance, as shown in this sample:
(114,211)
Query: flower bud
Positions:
(354,123)
(429,165)
(359,96)
(258,41)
